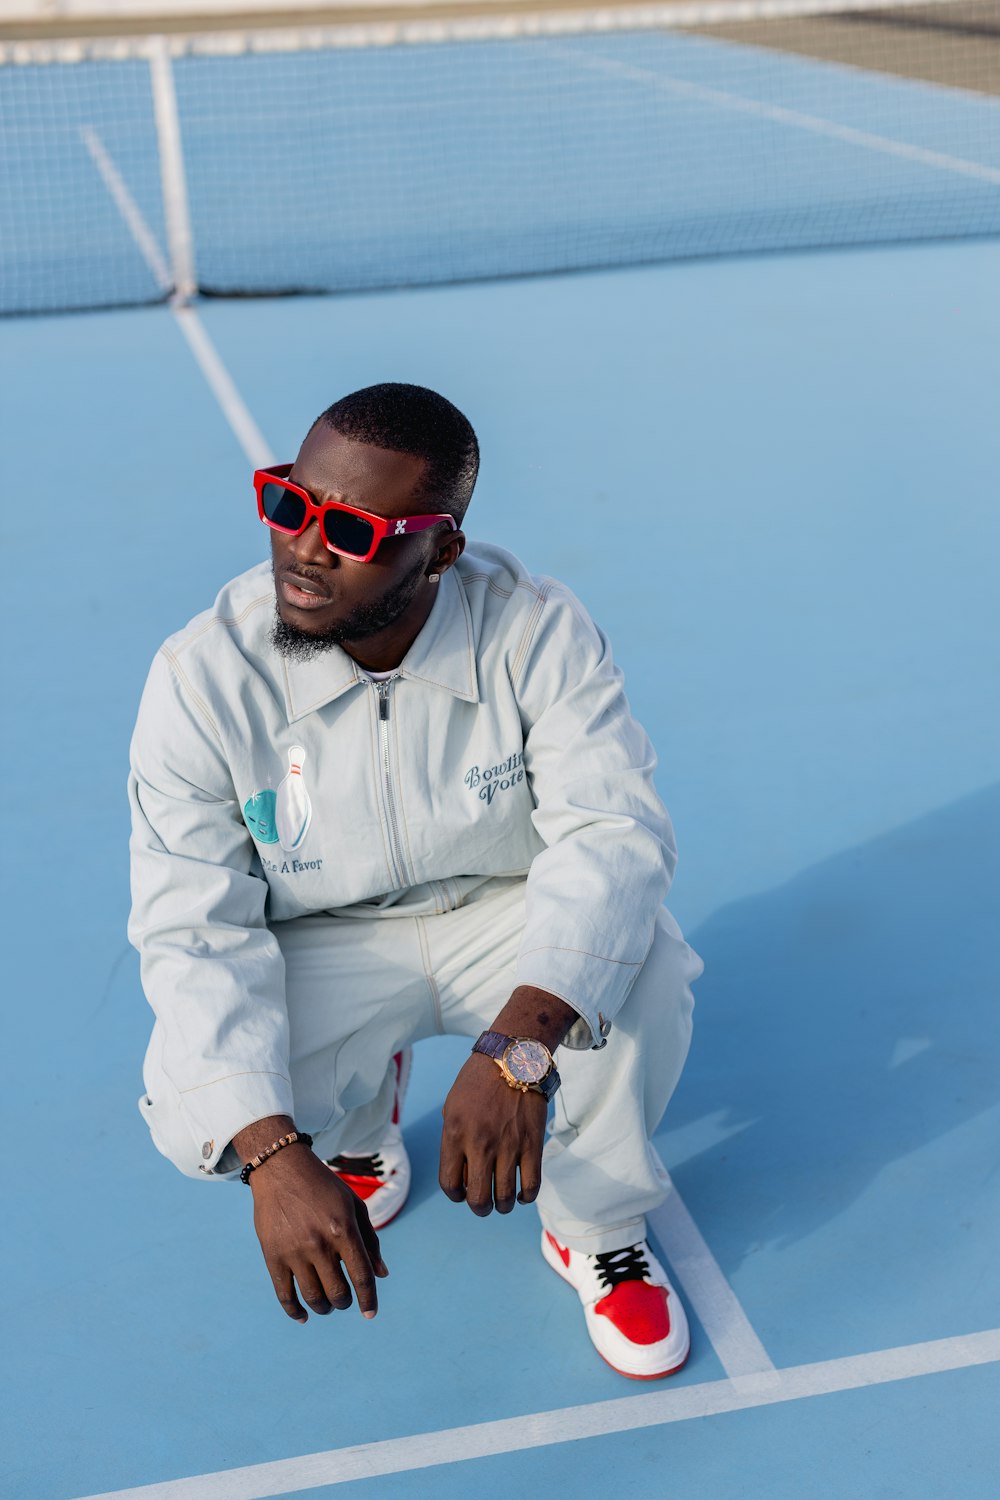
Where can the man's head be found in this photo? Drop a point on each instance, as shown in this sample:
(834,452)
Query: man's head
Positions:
(394,451)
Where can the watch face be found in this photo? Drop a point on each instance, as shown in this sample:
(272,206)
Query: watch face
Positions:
(528,1062)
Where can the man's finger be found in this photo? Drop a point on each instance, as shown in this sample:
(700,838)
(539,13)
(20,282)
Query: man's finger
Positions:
(369,1238)
(505,1184)
(284,1290)
(359,1268)
(331,1274)
(311,1288)
(531,1176)
(479,1188)
(451,1172)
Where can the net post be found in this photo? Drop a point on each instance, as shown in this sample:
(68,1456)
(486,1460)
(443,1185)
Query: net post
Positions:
(180,242)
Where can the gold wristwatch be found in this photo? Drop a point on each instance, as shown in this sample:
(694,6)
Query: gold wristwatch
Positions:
(524,1063)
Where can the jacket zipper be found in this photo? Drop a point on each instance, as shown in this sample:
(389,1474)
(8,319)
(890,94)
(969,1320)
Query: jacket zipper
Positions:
(383,690)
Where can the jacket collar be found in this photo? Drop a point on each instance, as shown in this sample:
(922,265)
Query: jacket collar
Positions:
(443,656)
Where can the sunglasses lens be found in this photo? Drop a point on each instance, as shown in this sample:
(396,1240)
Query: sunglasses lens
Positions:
(282,507)
(348,533)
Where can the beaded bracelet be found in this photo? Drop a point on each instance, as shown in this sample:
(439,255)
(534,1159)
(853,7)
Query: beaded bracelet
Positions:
(286,1140)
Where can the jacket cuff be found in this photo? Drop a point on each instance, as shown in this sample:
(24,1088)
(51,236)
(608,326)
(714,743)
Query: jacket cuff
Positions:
(216,1112)
(596,987)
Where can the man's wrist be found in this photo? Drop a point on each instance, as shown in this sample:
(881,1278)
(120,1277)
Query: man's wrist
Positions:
(536,1013)
(261,1134)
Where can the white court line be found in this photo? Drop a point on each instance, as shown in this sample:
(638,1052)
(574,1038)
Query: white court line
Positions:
(234,408)
(543,1429)
(740,1351)
(817,124)
(128,208)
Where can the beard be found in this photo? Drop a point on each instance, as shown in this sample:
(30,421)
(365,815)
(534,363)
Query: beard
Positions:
(366,619)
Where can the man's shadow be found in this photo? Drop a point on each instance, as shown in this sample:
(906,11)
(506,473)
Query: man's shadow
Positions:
(844,1020)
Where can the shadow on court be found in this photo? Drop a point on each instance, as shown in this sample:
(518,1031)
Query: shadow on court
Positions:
(846,1021)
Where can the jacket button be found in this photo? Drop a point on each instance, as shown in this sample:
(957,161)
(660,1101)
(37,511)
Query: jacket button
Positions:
(206,1150)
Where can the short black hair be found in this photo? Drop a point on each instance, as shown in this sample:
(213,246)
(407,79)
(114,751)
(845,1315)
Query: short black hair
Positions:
(412,419)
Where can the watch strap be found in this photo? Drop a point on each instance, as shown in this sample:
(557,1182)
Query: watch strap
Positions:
(495,1043)
(548,1085)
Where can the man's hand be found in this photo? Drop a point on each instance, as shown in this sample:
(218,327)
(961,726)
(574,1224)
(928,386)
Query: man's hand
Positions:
(312,1229)
(491,1132)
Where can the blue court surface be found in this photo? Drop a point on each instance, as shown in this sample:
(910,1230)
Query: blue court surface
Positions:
(774,483)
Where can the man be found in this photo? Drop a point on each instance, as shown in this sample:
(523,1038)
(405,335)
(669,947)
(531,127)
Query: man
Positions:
(386,788)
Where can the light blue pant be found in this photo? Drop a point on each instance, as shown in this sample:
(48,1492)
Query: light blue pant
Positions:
(359,989)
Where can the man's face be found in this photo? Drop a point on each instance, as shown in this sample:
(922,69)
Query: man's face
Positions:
(326,599)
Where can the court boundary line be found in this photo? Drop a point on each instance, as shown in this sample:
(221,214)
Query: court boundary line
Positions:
(235,410)
(816,124)
(602,1418)
(708,1291)
(221,383)
(126,205)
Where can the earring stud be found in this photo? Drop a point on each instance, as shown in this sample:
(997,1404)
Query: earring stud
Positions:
(433,577)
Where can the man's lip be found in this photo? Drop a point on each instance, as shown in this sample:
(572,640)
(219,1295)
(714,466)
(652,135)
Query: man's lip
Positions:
(303,593)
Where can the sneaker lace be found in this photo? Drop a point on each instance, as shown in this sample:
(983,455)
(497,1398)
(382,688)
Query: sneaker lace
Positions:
(614,1266)
(358,1166)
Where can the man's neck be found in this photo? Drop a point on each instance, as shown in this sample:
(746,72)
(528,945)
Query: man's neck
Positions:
(385,651)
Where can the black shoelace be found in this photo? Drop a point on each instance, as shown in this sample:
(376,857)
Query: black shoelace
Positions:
(622,1265)
(358,1166)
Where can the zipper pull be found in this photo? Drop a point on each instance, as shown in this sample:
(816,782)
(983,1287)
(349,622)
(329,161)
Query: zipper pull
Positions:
(382,688)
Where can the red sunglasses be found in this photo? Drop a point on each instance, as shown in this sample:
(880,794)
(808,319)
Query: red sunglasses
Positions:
(353,533)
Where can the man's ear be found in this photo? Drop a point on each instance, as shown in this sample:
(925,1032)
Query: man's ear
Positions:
(448,553)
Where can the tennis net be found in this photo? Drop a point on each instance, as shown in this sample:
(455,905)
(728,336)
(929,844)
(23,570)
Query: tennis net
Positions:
(430,147)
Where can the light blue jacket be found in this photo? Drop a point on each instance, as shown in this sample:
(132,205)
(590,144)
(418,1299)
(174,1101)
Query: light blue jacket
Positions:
(264,789)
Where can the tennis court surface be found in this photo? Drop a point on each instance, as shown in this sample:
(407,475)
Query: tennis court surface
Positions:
(772,479)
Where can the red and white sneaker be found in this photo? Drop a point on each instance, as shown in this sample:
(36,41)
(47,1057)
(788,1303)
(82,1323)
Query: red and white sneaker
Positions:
(382,1179)
(634,1317)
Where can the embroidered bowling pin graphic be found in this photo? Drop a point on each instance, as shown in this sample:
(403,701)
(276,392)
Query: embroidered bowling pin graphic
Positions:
(292,809)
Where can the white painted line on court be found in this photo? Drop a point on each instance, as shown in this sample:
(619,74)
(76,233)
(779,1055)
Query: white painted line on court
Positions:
(817,124)
(221,384)
(729,1330)
(544,1429)
(234,408)
(128,208)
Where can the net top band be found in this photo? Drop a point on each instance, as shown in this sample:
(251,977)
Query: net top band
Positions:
(480,24)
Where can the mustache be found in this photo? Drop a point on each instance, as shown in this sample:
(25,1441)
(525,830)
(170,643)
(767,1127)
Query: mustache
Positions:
(302,570)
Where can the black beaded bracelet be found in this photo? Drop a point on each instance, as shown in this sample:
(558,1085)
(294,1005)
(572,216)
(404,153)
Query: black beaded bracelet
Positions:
(286,1140)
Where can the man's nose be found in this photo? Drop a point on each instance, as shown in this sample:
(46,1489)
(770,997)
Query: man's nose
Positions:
(310,549)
